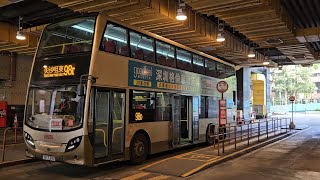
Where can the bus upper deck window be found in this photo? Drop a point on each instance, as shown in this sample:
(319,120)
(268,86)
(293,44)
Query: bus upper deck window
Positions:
(115,40)
(142,47)
(210,67)
(221,70)
(165,54)
(184,60)
(198,64)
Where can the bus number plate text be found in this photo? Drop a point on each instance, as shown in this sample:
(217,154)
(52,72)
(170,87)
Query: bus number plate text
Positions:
(48,158)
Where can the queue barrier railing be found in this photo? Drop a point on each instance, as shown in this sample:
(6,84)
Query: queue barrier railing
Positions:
(240,133)
(5,139)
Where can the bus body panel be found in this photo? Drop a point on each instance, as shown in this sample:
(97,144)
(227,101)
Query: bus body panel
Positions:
(54,144)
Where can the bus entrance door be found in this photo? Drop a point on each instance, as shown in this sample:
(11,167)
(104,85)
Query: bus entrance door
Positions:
(109,125)
(182,120)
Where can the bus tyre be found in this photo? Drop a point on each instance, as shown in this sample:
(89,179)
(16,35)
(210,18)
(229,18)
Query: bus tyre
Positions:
(209,140)
(138,149)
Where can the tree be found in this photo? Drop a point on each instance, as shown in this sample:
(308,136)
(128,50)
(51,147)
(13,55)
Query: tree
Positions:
(293,81)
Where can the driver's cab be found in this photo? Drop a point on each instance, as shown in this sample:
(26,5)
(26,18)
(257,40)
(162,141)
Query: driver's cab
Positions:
(57,108)
(67,106)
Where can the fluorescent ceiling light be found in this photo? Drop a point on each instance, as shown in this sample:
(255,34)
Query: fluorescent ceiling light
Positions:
(20,36)
(181,15)
(220,38)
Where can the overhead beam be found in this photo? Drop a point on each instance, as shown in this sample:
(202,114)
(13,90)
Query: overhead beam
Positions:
(308,31)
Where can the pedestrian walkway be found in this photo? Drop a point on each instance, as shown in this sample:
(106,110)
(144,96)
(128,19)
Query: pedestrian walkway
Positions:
(294,158)
(192,162)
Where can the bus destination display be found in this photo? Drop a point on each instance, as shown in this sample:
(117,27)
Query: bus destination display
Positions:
(58,71)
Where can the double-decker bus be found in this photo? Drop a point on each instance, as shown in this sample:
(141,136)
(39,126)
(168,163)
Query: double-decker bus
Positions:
(102,91)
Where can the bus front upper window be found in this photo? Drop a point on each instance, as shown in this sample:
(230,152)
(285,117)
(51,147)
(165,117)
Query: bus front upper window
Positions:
(67,37)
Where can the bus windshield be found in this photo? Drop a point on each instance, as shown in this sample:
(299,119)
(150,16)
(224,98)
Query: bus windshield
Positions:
(67,37)
(54,109)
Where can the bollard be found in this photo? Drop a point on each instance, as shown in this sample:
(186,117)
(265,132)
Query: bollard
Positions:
(15,125)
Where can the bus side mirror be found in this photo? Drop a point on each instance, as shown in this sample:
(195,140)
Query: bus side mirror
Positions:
(80,90)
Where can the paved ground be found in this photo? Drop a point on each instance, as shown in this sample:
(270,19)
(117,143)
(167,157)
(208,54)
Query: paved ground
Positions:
(295,158)
(15,148)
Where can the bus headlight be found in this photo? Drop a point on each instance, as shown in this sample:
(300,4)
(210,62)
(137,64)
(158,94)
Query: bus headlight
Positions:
(29,139)
(73,143)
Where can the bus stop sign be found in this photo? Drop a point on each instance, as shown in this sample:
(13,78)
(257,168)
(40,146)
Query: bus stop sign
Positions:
(292,98)
(222,86)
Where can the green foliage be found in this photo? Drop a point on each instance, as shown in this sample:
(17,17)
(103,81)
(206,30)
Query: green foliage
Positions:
(292,81)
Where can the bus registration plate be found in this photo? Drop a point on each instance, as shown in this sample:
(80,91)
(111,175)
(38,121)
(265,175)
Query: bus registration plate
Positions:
(48,158)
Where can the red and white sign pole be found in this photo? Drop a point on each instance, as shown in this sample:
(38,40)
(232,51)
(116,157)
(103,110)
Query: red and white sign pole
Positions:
(222,87)
(292,99)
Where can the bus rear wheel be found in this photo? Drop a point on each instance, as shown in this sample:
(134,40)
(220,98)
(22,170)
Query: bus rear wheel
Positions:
(138,149)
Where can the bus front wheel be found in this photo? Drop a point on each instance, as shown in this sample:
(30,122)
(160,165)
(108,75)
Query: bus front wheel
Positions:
(138,149)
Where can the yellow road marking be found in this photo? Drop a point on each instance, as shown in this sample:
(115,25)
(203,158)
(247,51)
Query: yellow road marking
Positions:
(204,155)
(136,176)
(191,159)
(198,168)
(177,156)
(159,177)
(152,164)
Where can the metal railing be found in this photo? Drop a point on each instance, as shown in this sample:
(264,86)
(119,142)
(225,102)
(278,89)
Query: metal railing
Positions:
(244,134)
(5,139)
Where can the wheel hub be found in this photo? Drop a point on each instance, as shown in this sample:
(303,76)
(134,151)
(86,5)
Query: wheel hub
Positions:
(139,148)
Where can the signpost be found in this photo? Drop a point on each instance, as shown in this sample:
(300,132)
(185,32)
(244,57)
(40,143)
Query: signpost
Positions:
(222,87)
(292,99)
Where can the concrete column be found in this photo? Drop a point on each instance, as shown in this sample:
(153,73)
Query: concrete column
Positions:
(243,91)
(268,90)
